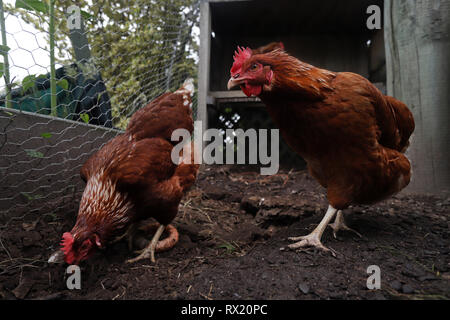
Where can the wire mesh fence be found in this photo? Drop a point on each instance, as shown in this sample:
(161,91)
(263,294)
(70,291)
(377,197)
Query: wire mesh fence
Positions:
(65,90)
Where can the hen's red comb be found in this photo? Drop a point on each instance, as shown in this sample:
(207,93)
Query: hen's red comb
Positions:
(66,242)
(240,55)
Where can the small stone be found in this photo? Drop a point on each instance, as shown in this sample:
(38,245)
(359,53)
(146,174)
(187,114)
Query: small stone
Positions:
(214,193)
(111,284)
(23,288)
(427,277)
(396,285)
(379,296)
(303,287)
(53,296)
(250,204)
(335,295)
(29,226)
(412,271)
(32,239)
(406,289)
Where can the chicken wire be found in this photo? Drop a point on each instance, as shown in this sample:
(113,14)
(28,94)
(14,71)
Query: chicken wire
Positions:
(41,155)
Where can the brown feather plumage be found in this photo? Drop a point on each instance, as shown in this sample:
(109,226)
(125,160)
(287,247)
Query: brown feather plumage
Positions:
(132,177)
(351,135)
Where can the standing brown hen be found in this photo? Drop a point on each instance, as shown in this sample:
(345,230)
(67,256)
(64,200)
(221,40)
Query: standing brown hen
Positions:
(351,135)
(132,178)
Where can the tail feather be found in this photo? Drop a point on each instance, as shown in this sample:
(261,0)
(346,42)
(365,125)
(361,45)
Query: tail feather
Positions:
(187,87)
(404,120)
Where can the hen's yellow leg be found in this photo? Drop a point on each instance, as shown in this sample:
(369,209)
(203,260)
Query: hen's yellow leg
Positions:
(313,239)
(149,251)
(339,224)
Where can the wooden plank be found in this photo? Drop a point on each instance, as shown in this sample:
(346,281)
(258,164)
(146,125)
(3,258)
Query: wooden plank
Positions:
(231,96)
(203,70)
(417,63)
(227,94)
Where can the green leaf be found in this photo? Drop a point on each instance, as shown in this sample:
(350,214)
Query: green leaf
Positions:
(228,246)
(63,83)
(33,5)
(26,195)
(31,197)
(2,67)
(46,135)
(34,153)
(9,113)
(86,15)
(4,49)
(53,215)
(84,117)
(28,82)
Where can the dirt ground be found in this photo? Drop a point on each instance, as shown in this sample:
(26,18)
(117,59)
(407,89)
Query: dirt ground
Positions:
(233,229)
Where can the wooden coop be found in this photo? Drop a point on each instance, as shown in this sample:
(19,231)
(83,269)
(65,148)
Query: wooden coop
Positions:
(330,34)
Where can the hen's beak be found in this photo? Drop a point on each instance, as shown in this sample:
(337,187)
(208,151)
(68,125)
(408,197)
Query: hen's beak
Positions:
(234,82)
(56,257)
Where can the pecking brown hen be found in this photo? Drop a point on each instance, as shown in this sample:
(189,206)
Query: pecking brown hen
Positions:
(351,135)
(132,178)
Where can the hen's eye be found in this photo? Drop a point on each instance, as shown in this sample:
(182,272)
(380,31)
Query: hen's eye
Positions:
(254,66)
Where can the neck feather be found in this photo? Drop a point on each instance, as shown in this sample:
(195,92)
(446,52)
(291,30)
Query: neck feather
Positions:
(103,208)
(296,77)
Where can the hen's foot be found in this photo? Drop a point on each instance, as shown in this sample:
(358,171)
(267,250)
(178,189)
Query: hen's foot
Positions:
(311,240)
(339,224)
(155,245)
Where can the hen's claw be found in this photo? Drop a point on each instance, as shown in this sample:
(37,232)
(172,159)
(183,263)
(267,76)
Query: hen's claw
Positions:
(311,240)
(149,251)
(155,245)
(339,224)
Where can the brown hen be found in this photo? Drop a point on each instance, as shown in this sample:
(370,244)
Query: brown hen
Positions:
(350,134)
(133,178)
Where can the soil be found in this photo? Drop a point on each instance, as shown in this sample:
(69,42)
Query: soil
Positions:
(233,227)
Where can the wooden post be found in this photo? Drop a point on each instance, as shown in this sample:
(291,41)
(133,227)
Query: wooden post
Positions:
(4,52)
(417,35)
(80,43)
(53,97)
(203,70)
